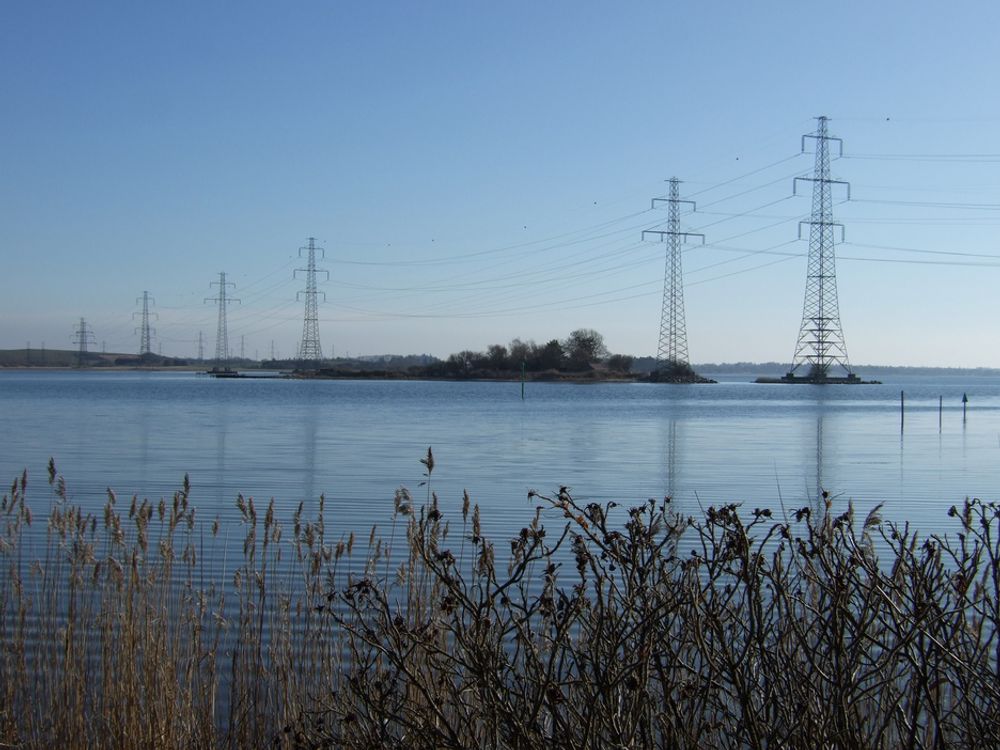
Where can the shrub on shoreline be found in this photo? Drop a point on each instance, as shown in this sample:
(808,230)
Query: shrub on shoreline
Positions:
(596,626)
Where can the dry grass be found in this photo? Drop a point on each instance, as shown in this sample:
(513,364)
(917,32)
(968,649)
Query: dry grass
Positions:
(598,626)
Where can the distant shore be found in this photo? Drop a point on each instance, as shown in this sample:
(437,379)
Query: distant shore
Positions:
(548,376)
(393,367)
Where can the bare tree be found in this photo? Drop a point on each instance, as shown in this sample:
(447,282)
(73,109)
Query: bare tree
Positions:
(584,346)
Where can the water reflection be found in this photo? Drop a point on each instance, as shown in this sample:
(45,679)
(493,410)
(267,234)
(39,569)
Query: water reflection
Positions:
(731,443)
(221,433)
(671,480)
(902,462)
(823,482)
(819,457)
(310,425)
(144,429)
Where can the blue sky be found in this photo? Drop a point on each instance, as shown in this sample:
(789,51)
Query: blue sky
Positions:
(480,171)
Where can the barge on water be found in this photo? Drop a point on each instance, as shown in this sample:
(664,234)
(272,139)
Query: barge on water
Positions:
(215,372)
(819,375)
(851,379)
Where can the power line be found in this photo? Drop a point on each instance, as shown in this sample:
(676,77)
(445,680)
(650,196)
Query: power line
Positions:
(933,204)
(672,349)
(776,181)
(145,332)
(783,259)
(83,336)
(221,331)
(501,249)
(310,349)
(957,158)
(747,174)
(525,276)
(914,261)
(746,254)
(896,248)
(821,342)
(749,213)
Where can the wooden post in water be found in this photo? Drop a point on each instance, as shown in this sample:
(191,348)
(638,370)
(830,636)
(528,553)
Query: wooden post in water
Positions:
(522,380)
(965,403)
(902,400)
(940,411)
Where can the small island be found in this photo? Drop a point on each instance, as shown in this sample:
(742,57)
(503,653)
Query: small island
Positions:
(675,372)
(582,357)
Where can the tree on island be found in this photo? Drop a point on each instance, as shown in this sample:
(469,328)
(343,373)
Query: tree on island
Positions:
(547,357)
(496,355)
(583,350)
(675,372)
(520,351)
(583,347)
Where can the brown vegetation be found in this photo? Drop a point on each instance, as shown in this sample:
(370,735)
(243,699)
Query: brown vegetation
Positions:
(597,626)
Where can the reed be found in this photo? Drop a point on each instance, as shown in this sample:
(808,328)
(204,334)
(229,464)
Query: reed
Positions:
(597,625)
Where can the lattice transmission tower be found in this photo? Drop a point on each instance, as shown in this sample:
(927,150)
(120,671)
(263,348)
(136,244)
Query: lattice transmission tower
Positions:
(672,351)
(145,331)
(310,349)
(820,345)
(221,333)
(82,337)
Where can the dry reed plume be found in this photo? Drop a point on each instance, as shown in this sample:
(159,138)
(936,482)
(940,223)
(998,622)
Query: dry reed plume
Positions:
(598,626)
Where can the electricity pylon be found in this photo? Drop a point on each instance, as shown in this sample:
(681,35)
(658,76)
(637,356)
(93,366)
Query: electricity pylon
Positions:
(82,337)
(310,349)
(145,332)
(672,351)
(821,339)
(221,333)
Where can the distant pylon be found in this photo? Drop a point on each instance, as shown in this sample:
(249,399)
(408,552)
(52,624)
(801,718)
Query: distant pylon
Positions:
(83,336)
(310,349)
(672,351)
(821,340)
(221,333)
(145,332)
(201,347)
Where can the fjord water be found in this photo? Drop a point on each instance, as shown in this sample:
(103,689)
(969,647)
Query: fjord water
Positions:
(355,442)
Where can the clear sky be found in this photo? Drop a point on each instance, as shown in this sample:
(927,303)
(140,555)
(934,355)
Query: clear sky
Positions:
(482,171)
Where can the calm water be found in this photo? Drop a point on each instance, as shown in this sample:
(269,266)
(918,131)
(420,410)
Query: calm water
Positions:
(356,442)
